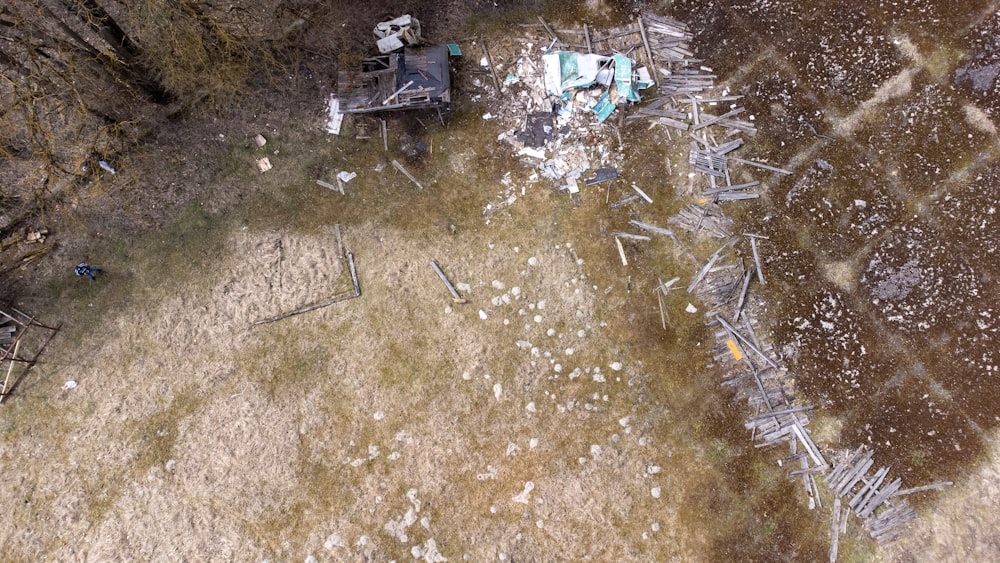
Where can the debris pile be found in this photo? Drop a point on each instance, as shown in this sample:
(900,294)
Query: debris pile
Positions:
(559,97)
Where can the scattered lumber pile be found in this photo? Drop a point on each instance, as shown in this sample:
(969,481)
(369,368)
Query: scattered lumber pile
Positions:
(776,417)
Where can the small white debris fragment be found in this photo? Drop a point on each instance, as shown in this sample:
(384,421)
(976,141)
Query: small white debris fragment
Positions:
(691,308)
(260,140)
(69,385)
(530,407)
(615,366)
(345,176)
(264,164)
(497,390)
(551,332)
(653,469)
(483,315)
(466,376)
(532,443)
(538,318)
(655,491)
(379,415)
(523,496)
(497,285)
(334,540)
(532,261)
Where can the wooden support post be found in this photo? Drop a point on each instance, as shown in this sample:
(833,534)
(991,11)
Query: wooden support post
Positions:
(385,135)
(586,36)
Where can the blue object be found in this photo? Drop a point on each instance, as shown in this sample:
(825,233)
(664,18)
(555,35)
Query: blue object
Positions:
(453,50)
(107,167)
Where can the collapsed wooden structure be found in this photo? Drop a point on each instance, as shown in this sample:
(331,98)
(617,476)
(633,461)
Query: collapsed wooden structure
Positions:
(414,78)
(14,327)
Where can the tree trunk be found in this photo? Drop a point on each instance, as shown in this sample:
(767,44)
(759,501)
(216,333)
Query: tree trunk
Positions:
(128,53)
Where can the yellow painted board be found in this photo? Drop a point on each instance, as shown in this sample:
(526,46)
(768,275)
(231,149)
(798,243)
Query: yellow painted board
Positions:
(734,349)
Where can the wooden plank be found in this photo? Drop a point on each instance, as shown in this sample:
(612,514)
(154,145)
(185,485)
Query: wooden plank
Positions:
(649,54)
(354,274)
(10,368)
(586,36)
(549,29)
(621,251)
(869,507)
(879,475)
(340,240)
(756,259)
(398,166)
(447,283)
(923,488)
(835,531)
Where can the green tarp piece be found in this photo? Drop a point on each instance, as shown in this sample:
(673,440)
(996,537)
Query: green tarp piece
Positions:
(603,108)
(453,50)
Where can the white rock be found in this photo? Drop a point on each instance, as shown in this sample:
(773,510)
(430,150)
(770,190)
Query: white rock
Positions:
(497,390)
(530,407)
(497,285)
(655,491)
(581,333)
(557,368)
(615,366)
(541,304)
(515,291)
(551,332)
(538,318)
(69,385)
(532,261)
(379,415)
(532,443)
(655,527)
(522,497)
(691,308)
(653,469)
(598,377)
(466,375)
(311,559)
(334,540)
(483,315)
(569,351)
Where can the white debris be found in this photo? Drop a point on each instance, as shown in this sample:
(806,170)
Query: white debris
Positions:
(532,443)
(655,491)
(691,308)
(497,390)
(483,315)
(522,497)
(69,385)
(334,540)
(532,261)
(615,366)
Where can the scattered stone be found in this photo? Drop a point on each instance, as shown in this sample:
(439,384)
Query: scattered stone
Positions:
(483,315)
(655,491)
(691,308)
(532,261)
(615,366)
(497,390)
